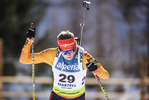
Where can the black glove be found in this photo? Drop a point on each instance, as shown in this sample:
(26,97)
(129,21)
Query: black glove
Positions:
(31,33)
(91,66)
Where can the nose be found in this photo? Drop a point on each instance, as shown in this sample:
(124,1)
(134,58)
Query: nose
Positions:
(68,54)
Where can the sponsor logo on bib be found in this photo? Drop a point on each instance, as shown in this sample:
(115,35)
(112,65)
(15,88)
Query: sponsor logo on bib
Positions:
(67,68)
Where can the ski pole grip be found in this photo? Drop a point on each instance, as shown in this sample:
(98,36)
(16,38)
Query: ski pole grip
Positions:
(86,4)
(32,25)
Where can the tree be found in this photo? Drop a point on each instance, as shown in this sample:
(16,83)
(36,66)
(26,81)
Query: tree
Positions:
(14,20)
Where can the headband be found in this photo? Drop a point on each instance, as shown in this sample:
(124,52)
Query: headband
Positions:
(66,44)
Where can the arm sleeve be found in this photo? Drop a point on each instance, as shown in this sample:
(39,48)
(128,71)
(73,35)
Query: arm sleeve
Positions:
(100,72)
(45,56)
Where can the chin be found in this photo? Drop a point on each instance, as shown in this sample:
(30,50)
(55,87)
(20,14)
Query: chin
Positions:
(68,58)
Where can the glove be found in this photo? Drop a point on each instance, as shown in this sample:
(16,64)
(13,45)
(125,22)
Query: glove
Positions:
(91,66)
(31,33)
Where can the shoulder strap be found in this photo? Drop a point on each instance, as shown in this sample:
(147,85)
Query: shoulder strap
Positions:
(57,56)
(80,54)
(80,60)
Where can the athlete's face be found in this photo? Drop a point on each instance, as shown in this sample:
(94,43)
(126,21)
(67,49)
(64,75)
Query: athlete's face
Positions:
(68,56)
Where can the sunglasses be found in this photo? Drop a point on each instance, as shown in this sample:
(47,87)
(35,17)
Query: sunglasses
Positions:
(66,52)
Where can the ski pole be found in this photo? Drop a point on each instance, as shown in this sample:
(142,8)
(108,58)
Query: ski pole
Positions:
(102,88)
(86,7)
(33,66)
(98,80)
